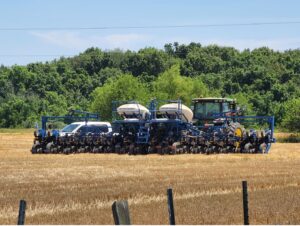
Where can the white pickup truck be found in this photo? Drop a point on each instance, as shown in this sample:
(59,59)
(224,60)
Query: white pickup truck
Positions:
(86,127)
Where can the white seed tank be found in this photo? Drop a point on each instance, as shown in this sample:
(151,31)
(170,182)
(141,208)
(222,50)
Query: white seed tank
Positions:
(133,109)
(172,109)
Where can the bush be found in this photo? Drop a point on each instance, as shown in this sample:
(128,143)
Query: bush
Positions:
(291,119)
(124,87)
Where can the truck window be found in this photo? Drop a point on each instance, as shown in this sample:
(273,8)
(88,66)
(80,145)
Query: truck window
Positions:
(100,128)
(93,129)
(70,128)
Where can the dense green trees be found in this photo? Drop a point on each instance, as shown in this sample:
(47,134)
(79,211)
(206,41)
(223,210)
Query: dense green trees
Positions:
(291,115)
(123,87)
(170,85)
(267,82)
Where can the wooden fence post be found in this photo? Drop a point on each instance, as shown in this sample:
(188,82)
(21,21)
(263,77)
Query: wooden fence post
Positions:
(171,207)
(121,212)
(22,209)
(245,203)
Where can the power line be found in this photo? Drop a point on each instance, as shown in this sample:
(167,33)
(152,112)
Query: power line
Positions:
(149,26)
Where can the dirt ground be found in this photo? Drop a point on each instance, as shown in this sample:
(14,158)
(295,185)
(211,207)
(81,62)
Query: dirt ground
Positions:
(80,189)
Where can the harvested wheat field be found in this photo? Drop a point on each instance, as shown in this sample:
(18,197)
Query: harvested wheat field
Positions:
(79,189)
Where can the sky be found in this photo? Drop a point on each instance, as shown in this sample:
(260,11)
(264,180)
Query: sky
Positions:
(44,38)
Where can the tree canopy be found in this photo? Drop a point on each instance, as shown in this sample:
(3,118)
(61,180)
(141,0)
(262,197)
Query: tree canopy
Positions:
(121,88)
(267,82)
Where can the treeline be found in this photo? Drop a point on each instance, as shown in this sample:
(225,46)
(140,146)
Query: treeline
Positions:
(267,82)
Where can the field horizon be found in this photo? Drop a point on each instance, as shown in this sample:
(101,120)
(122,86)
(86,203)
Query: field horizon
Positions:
(80,188)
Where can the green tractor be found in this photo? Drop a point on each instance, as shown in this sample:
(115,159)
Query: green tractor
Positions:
(223,114)
(208,110)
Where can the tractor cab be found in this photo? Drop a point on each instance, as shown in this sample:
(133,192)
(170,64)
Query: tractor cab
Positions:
(211,110)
